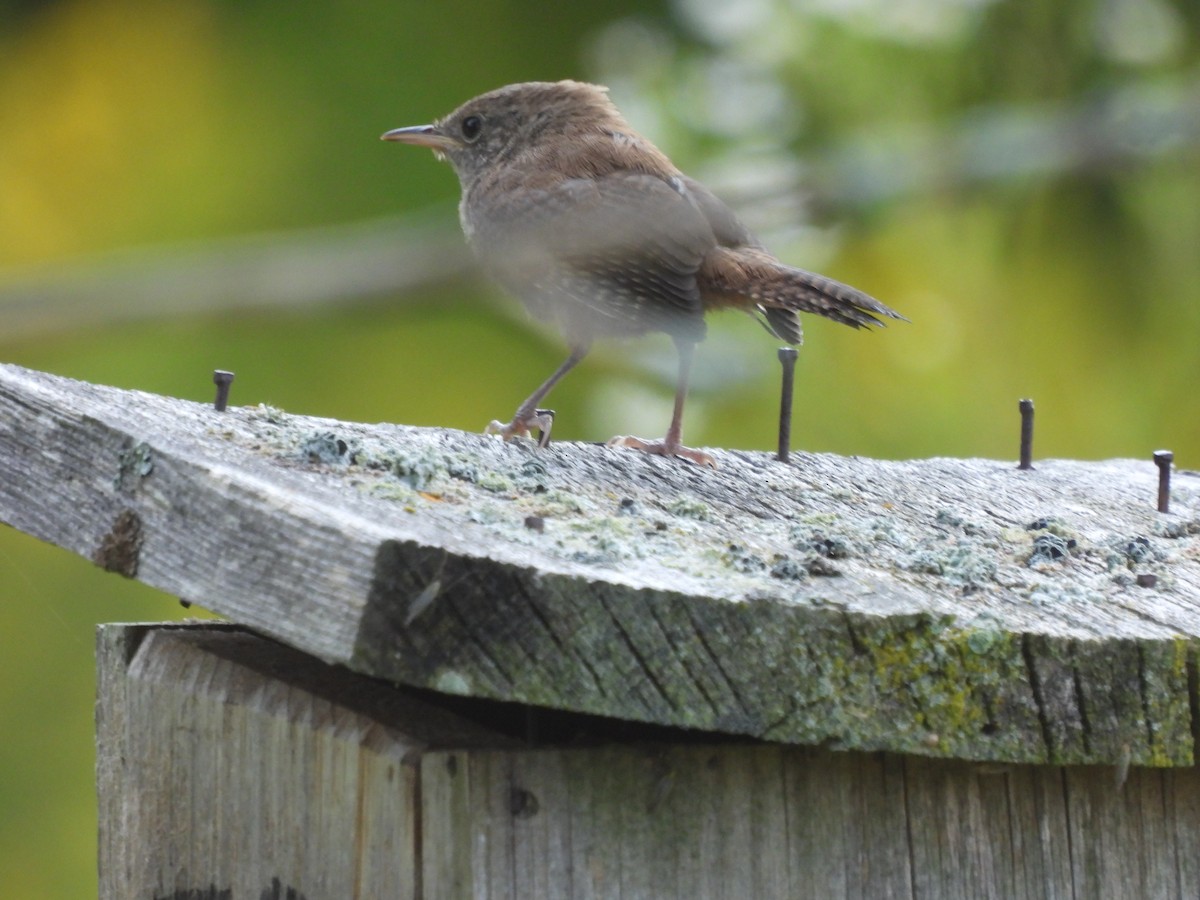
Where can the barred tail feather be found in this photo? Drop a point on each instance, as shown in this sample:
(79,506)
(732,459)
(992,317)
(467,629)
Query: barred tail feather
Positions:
(801,291)
(750,278)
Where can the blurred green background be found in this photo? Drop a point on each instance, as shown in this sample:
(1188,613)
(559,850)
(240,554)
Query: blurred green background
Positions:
(197,184)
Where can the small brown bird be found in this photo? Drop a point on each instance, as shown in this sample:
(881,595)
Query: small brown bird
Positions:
(596,231)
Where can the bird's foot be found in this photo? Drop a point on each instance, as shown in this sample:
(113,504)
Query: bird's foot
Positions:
(664,448)
(523,423)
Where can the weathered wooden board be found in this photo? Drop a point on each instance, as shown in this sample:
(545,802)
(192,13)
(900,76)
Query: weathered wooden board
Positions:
(947,607)
(229,762)
(233,767)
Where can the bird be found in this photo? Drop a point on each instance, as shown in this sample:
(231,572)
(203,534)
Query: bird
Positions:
(598,233)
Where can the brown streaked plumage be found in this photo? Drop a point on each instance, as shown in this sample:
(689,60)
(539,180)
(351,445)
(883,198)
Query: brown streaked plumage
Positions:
(595,229)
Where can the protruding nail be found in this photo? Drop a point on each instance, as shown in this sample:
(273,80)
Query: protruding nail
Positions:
(222,380)
(1026,408)
(1163,459)
(787,359)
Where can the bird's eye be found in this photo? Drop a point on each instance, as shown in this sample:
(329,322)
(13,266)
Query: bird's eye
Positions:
(471,127)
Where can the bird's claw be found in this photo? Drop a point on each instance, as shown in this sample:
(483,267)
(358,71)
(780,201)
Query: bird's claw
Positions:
(523,424)
(663,448)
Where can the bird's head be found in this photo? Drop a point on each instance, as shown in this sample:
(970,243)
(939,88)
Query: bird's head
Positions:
(513,123)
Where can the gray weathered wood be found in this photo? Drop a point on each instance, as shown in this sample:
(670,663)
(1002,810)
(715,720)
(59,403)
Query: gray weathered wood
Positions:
(231,764)
(686,821)
(847,602)
(228,761)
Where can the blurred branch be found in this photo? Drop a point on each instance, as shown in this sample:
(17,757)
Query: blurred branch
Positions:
(1113,130)
(305,268)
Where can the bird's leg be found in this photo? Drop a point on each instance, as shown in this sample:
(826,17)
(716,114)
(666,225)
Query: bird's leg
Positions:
(528,416)
(672,444)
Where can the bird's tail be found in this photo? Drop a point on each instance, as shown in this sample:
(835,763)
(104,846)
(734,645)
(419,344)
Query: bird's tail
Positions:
(754,280)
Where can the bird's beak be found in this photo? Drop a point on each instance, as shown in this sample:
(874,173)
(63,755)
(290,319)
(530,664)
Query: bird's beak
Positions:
(422,136)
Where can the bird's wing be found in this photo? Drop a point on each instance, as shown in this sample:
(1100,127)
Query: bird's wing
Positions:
(623,249)
(726,226)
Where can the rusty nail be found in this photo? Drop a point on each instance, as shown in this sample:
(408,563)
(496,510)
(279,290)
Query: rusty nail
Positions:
(1026,408)
(222,380)
(787,359)
(1163,459)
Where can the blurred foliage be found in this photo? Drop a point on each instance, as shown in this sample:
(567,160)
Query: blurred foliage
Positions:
(1020,179)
